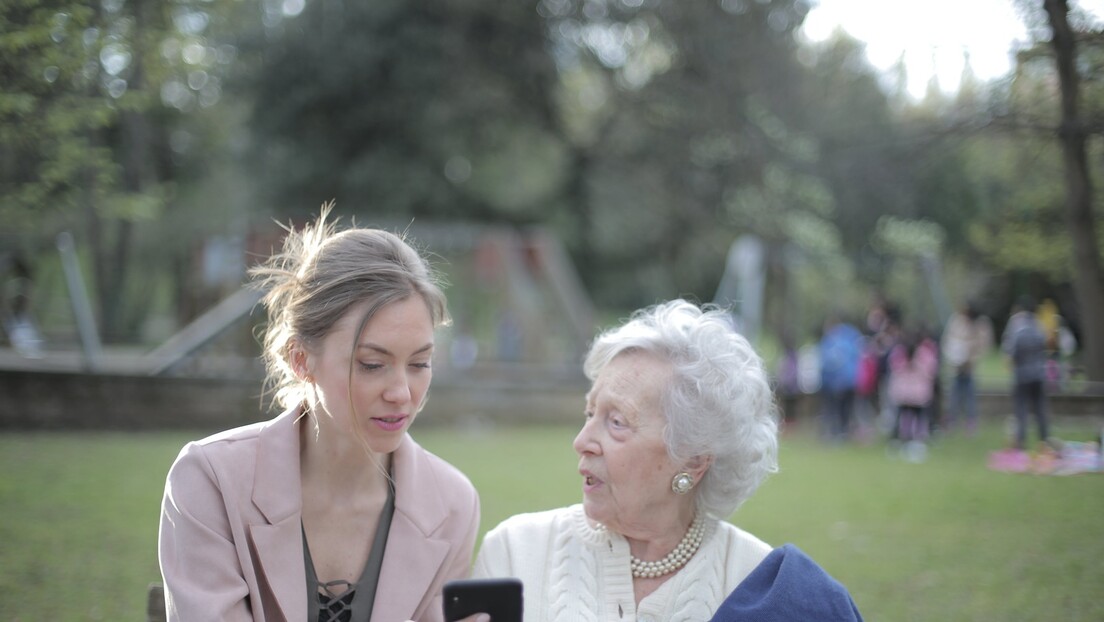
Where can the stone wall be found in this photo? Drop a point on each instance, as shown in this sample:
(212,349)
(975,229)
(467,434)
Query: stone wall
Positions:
(73,400)
(69,400)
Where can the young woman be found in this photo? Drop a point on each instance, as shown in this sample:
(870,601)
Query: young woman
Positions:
(330,511)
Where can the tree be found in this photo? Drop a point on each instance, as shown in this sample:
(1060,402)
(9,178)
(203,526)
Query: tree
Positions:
(1088,278)
(409,108)
(687,116)
(868,150)
(93,126)
(72,146)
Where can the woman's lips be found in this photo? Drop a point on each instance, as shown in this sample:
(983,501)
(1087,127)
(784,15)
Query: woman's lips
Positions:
(590,482)
(390,424)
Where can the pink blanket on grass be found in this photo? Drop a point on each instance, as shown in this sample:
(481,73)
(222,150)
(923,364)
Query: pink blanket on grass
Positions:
(1074,458)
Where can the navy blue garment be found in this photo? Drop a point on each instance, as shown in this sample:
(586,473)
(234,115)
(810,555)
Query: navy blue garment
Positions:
(788,586)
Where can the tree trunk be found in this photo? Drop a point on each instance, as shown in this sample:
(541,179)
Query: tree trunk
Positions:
(1088,283)
(135,154)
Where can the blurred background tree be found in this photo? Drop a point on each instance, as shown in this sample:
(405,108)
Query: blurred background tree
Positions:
(102,130)
(648,135)
(413,109)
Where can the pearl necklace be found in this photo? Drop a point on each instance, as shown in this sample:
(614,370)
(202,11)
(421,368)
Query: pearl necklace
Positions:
(675,559)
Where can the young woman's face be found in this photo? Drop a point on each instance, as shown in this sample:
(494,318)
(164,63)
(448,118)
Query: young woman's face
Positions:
(381,388)
(622,455)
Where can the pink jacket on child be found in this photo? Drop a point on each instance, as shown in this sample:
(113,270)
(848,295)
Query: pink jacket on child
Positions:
(911,382)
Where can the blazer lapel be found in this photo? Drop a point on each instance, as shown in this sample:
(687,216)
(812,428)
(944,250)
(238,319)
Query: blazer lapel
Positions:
(278,546)
(279,551)
(410,564)
(414,555)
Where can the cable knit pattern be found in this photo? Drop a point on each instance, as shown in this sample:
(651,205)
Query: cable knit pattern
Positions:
(572,579)
(573,572)
(700,603)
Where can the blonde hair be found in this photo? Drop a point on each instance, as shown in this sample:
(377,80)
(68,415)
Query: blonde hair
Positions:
(318,275)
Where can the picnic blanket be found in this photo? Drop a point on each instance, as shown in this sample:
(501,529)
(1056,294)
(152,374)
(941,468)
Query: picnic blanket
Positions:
(1074,457)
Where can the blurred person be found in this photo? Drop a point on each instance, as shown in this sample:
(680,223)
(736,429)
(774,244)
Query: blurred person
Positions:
(330,511)
(913,366)
(788,385)
(877,315)
(1046,314)
(934,414)
(1050,321)
(1024,343)
(680,430)
(1060,344)
(840,349)
(967,337)
(866,388)
(1067,347)
(808,368)
(887,337)
(15,310)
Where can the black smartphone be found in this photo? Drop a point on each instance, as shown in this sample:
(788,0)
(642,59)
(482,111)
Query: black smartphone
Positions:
(501,598)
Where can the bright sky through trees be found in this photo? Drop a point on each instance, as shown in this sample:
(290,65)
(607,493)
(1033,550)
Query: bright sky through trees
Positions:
(933,35)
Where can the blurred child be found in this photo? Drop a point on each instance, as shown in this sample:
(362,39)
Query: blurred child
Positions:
(967,337)
(913,365)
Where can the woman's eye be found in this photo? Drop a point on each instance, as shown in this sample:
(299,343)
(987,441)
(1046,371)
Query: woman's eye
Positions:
(618,422)
(425,365)
(371,366)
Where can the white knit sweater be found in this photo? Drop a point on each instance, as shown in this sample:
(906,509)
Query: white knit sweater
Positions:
(575,573)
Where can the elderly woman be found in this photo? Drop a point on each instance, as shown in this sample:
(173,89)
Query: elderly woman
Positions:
(680,430)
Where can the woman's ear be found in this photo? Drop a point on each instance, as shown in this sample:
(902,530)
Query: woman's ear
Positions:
(300,361)
(697,466)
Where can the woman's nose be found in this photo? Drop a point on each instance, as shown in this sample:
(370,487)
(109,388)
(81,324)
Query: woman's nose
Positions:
(398,391)
(584,440)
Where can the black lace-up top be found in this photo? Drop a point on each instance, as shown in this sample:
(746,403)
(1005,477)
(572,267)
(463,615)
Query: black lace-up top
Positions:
(342,601)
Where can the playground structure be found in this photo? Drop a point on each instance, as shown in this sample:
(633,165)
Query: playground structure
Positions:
(514,295)
(522,321)
(744,283)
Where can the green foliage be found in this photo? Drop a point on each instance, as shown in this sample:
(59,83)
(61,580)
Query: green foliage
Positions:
(48,108)
(592,119)
(863,152)
(688,136)
(1016,186)
(909,238)
(99,131)
(649,136)
(1025,247)
(399,109)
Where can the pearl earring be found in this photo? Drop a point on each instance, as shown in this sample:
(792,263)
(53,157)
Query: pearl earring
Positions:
(682,483)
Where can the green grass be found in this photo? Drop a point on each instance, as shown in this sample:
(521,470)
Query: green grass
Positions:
(943,540)
(78,523)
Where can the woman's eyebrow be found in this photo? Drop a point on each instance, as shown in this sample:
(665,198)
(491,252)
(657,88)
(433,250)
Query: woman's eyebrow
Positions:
(368,345)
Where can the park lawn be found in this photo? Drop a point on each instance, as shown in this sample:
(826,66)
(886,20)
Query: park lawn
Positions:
(946,539)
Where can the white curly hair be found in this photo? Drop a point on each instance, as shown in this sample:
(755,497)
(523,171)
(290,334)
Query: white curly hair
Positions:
(719,402)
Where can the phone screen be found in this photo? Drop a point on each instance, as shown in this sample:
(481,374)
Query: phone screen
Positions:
(500,598)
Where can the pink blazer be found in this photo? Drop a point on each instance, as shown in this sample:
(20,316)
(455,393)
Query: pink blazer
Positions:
(231,544)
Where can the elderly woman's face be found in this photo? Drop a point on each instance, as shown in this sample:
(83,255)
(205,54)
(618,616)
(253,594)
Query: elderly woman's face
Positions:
(622,456)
